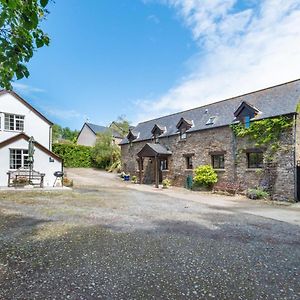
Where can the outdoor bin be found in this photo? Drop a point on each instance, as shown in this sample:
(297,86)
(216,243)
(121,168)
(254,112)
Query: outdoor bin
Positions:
(189,182)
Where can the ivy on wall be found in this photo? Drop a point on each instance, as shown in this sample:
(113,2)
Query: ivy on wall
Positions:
(266,132)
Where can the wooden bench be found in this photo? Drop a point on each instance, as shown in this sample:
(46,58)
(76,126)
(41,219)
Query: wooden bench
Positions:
(22,177)
(228,187)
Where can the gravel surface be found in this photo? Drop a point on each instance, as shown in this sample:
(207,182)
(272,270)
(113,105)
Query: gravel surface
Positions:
(109,240)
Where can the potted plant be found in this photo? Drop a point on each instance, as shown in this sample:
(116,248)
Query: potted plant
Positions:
(21,181)
(166,183)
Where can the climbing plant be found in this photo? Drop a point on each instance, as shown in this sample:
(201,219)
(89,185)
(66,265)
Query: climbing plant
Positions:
(266,132)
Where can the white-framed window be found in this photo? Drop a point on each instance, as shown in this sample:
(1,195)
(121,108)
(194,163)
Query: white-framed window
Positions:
(18,158)
(13,122)
(164,164)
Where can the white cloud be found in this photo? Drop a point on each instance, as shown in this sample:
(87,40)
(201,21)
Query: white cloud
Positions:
(63,114)
(244,50)
(26,89)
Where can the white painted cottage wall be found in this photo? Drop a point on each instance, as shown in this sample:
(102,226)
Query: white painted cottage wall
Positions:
(34,125)
(41,163)
(86,137)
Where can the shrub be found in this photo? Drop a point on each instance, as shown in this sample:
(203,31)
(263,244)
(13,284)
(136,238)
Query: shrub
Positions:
(68,182)
(205,176)
(257,193)
(166,183)
(74,156)
(105,154)
(134,179)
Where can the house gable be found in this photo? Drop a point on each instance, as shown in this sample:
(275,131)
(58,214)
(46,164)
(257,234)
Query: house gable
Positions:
(86,136)
(157,130)
(184,124)
(26,138)
(245,110)
(24,102)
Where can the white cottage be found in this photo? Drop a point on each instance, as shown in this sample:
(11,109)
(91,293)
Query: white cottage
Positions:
(18,122)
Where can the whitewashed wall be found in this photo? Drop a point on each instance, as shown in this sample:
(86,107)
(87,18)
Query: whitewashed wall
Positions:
(86,137)
(41,163)
(33,124)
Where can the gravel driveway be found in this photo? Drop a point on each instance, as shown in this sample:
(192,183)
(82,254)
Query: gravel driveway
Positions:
(110,240)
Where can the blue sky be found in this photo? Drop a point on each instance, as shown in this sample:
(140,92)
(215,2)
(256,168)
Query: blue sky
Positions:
(145,58)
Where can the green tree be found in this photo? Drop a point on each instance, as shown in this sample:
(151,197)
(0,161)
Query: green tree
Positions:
(56,133)
(20,36)
(105,153)
(121,125)
(70,135)
(63,133)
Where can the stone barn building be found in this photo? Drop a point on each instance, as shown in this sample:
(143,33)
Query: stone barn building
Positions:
(173,145)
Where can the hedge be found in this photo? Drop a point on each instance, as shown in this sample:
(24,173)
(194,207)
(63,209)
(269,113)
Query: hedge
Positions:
(74,156)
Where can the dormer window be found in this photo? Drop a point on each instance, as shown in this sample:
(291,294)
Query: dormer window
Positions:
(245,113)
(247,121)
(156,131)
(182,134)
(131,136)
(211,121)
(183,125)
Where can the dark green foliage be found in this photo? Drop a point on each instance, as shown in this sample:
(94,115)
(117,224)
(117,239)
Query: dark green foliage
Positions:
(74,156)
(20,36)
(257,193)
(63,133)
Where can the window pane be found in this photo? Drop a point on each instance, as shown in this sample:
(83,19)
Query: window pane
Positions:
(218,161)
(25,159)
(164,164)
(14,122)
(189,162)
(255,160)
(11,122)
(6,122)
(18,158)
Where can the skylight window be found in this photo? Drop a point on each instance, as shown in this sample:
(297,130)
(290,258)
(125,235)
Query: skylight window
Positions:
(211,121)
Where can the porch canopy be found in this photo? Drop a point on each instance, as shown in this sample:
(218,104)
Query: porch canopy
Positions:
(155,151)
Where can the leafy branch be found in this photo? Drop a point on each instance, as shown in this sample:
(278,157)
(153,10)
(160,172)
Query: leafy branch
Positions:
(20,36)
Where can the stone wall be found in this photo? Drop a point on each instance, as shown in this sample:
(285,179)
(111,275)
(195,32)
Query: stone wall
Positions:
(202,143)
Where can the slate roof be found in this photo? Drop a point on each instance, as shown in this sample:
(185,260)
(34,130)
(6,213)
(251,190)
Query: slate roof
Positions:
(273,101)
(155,149)
(98,129)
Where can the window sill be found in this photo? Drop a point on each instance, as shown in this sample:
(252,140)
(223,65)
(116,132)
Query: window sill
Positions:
(220,170)
(189,170)
(182,141)
(253,169)
(165,170)
(7,130)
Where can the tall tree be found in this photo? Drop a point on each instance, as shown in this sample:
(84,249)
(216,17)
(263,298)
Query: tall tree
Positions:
(105,153)
(20,36)
(121,125)
(63,133)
